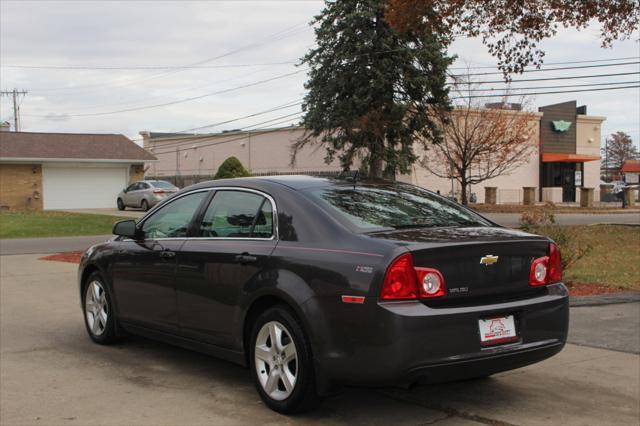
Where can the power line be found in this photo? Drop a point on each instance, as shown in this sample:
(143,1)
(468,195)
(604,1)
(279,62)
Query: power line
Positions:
(551,69)
(544,79)
(175,144)
(288,32)
(150,67)
(545,93)
(243,136)
(552,87)
(171,67)
(179,101)
(555,63)
(271,122)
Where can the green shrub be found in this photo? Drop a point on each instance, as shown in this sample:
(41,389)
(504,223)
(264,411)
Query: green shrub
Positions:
(231,168)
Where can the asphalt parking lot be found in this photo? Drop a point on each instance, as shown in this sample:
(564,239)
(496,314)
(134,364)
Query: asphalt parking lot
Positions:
(52,374)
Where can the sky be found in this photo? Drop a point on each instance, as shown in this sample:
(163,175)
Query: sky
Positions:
(171,66)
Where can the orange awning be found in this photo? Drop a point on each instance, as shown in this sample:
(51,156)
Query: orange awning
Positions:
(553,157)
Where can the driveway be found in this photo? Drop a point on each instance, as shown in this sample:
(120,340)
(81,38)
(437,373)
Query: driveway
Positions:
(50,373)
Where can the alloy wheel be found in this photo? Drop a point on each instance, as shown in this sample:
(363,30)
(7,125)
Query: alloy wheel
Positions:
(96,308)
(276,360)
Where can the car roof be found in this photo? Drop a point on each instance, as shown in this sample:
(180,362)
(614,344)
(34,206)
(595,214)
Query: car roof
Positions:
(295,182)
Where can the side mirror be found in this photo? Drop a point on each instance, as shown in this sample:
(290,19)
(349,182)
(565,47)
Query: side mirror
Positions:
(126,228)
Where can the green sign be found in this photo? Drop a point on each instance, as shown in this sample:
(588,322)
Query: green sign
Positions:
(560,125)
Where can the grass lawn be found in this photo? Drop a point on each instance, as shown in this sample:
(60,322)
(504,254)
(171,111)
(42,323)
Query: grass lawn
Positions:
(54,224)
(614,259)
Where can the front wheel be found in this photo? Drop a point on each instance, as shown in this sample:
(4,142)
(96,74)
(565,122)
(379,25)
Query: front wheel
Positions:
(120,204)
(99,316)
(281,362)
(144,205)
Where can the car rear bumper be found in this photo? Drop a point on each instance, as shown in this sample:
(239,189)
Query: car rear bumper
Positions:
(402,343)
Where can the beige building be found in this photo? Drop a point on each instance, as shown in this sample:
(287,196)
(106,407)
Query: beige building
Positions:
(565,156)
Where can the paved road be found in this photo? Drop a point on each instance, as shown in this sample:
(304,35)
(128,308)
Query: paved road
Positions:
(49,245)
(50,373)
(621,322)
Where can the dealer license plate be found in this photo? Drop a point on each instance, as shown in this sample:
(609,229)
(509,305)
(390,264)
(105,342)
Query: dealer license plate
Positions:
(496,330)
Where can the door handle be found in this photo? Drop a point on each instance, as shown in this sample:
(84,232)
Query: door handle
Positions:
(246,258)
(167,254)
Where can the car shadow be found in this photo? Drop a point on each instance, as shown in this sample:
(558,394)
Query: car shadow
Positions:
(146,363)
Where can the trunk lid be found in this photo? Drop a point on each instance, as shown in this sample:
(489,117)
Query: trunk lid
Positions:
(480,264)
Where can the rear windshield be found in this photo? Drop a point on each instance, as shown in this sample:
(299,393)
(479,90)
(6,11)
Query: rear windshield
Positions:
(161,184)
(399,206)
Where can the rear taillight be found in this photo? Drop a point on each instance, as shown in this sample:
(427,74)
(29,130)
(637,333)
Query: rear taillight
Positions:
(400,282)
(555,264)
(403,281)
(430,282)
(158,191)
(547,269)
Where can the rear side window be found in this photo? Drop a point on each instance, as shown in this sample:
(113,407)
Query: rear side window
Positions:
(237,214)
(399,206)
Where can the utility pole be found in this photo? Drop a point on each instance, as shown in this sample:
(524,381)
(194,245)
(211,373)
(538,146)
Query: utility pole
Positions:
(16,108)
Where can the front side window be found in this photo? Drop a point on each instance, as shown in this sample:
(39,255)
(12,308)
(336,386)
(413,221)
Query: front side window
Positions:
(370,208)
(131,187)
(172,220)
(237,214)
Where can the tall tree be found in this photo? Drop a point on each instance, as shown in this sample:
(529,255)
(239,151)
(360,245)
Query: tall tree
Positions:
(480,142)
(370,88)
(618,148)
(512,29)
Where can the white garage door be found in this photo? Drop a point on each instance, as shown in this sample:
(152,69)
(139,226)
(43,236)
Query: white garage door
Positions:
(82,187)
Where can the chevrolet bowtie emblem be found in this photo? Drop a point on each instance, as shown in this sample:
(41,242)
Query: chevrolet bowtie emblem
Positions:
(488,260)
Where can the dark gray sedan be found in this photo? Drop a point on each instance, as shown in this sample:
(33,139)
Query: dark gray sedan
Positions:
(316,283)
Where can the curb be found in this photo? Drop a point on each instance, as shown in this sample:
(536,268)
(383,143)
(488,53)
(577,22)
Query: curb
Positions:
(605,299)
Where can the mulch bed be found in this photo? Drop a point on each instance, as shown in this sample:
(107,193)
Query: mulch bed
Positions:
(69,257)
(582,289)
(575,289)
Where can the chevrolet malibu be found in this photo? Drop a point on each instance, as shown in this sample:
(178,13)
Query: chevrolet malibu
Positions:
(315,283)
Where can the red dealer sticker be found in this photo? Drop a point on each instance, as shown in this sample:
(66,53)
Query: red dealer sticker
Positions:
(497,330)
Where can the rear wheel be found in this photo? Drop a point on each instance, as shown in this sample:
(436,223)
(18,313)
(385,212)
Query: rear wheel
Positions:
(144,205)
(121,205)
(99,317)
(281,362)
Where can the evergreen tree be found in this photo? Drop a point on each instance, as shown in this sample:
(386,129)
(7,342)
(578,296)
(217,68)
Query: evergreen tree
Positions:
(231,168)
(370,88)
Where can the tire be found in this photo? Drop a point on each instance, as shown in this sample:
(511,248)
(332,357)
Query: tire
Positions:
(301,395)
(145,205)
(96,298)
(121,205)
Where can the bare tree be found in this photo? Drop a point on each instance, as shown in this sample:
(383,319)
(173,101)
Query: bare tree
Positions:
(619,148)
(480,142)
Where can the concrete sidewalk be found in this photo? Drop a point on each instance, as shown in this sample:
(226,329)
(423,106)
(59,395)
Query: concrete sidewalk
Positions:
(51,373)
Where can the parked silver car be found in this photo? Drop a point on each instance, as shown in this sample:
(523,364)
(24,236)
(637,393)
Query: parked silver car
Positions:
(145,194)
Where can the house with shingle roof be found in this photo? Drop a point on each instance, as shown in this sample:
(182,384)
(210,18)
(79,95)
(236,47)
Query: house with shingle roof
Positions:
(58,171)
